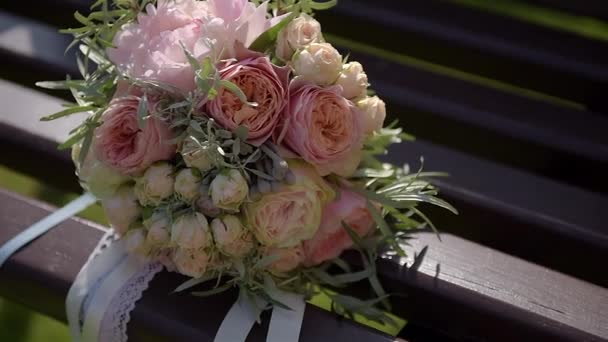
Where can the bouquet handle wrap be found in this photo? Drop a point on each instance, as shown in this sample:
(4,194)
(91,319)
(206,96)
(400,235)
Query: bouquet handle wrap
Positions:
(285,324)
(240,319)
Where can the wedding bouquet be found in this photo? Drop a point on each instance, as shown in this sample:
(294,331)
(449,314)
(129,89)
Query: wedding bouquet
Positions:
(227,140)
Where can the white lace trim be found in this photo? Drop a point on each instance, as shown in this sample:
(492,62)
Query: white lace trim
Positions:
(116,319)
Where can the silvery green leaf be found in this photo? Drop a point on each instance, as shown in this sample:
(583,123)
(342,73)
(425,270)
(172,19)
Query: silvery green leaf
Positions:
(213,291)
(54,85)
(242,132)
(426,199)
(66,112)
(236,147)
(373,173)
(260,174)
(86,144)
(268,38)
(193,282)
(233,88)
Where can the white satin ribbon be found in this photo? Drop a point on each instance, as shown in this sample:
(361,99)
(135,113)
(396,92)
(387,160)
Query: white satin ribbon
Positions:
(239,320)
(96,268)
(44,225)
(285,325)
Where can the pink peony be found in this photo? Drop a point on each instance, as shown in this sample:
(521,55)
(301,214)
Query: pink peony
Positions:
(332,239)
(123,145)
(263,83)
(151,47)
(323,128)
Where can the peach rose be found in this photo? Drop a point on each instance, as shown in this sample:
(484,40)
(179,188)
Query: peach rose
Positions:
(323,128)
(263,83)
(332,239)
(288,259)
(374,113)
(126,147)
(151,47)
(292,213)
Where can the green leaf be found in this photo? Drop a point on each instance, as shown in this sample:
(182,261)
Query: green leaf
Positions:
(268,38)
(193,282)
(66,112)
(54,85)
(321,6)
(73,140)
(242,132)
(233,88)
(86,144)
(213,291)
(425,199)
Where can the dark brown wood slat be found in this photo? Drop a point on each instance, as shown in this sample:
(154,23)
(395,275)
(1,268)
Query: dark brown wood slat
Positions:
(39,276)
(480,42)
(473,292)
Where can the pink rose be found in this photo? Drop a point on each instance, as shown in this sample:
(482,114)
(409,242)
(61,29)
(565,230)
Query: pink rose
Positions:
(151,47)
(323,128)
(263,83)
(123,145)
(332,239)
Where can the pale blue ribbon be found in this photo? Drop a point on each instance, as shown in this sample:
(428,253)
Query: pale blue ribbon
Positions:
(43,226)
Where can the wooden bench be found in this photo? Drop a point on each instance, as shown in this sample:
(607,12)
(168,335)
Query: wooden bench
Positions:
(504,181)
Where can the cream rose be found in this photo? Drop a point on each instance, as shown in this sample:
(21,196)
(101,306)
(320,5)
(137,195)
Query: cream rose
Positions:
(122,209)
(285,217)
(230,237)
(319,63)
(191,262)
(187,184)
(155,185)
(374,113)
(353,81)
(135,241)
(301,31)
(229,189)
(158,230)
(95,176)
(323,128)
(191,231)
(204,203)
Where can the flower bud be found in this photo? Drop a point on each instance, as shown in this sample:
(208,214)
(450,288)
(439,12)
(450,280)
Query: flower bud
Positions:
(155,185)
(95,176)
(191,262)
(187,184)
(230,236)
(122,209)
(319,63)
(374,111)
(204,203)
(191,231)
(229,189)
(158,230)
(353,81)
(300,32)
(202,156)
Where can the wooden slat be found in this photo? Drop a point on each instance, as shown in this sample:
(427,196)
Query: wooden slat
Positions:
(480,42)
(472,291)
(39,276)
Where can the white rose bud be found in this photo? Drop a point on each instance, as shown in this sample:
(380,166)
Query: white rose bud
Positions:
(99,179)
(158,230)
(301,31)
(204,203)
(191,231)
(229,189)
(122,209)
(191,262)
(200,157)
(230,236)
(155,185)
(353,81)
(374,111)
(135,241)
(319,63)
(187,184)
